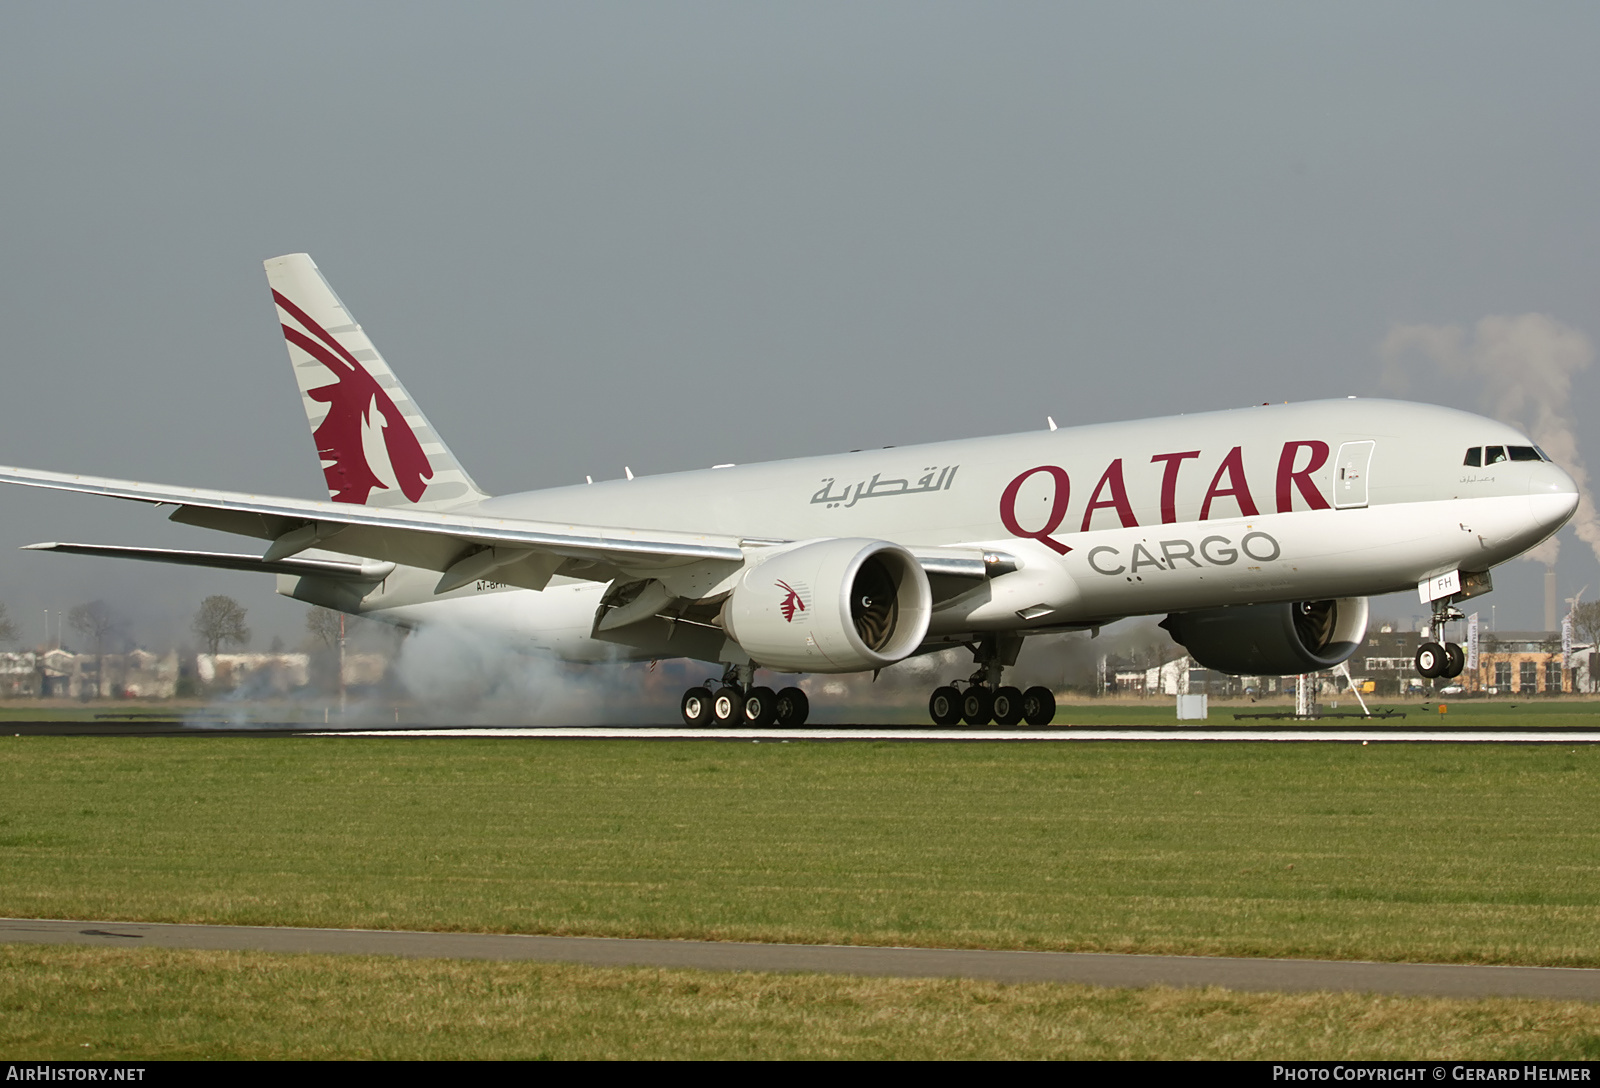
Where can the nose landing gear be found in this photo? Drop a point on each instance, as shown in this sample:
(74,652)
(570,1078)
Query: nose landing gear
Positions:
(1434,659)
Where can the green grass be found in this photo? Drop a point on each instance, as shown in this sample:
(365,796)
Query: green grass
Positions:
(1485,854)
(132,1004)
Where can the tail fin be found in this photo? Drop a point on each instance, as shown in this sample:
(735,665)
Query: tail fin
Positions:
(377,447)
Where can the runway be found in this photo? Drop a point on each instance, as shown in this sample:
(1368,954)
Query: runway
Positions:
(876,733)
(1085,968)
(1349,734)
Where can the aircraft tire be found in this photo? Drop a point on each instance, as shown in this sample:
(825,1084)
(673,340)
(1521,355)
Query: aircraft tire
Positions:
(696,707)
(1455,660)
(1007,706)
(944,706)
(977,706)
(760,707)
(792,708)
(1038,706)
(1431,660)
(727,707)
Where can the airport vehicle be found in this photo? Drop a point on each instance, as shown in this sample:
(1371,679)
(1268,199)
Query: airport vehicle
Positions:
(1259,532)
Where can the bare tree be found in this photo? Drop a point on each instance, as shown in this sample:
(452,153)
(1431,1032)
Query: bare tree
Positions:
(95,621)
(8,629)
(323,624)
(1586,622)
(220,620)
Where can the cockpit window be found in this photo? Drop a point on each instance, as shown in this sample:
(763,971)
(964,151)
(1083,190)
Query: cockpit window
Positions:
(1474,457)
(1493,455)
(1543,455)
(1523,453)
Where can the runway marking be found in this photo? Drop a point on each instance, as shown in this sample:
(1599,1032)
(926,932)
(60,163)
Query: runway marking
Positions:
(1085,968)
(1410,736)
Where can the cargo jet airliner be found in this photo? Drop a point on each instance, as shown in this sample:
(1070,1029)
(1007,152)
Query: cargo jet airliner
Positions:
(1258,532)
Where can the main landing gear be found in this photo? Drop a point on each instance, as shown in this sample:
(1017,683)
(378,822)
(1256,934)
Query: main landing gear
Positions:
(735,702)
(985,700)
(1446,659)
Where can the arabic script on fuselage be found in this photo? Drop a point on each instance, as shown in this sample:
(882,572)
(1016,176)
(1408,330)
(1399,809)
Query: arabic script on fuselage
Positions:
(934,479)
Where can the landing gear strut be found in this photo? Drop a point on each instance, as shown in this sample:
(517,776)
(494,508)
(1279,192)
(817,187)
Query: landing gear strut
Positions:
(734,701)
(985,698)
(1447,659)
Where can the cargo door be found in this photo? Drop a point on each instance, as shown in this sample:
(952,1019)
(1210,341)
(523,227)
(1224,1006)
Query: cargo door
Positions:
(1350,474)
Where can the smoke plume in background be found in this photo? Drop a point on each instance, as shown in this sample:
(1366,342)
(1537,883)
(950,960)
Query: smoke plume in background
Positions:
(1523,368)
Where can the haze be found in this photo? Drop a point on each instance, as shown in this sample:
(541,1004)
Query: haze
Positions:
(669,236)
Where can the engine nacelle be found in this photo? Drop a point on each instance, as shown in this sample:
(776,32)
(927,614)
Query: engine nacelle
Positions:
(1272,639)
(840,605)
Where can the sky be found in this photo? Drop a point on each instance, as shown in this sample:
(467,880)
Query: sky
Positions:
(674,235)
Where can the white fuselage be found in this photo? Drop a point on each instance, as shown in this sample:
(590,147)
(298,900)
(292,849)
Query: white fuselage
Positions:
(1309,501)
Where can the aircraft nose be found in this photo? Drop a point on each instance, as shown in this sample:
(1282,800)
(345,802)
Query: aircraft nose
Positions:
(1553,496)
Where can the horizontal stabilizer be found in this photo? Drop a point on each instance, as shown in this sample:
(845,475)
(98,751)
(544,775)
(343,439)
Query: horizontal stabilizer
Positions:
(323,568)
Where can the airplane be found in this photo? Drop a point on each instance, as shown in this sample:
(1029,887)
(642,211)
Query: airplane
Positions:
(1259,532)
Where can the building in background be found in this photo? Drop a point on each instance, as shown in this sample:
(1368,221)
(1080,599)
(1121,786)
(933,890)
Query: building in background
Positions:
(1527,663)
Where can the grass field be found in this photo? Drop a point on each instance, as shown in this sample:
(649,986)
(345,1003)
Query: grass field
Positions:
(157,1003)
(1393,852)
(1485,854)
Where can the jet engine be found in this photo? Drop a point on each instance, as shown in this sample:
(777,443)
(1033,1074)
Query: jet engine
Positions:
(841,605)
(1272,639)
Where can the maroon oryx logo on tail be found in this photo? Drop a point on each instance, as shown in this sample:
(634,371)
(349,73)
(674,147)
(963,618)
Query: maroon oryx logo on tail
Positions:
(350,400)
(791,602)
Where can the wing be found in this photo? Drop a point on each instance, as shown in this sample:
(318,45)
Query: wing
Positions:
(321,568)
(462,547)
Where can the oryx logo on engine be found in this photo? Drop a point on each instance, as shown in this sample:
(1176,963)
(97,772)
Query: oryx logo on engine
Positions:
(793,601)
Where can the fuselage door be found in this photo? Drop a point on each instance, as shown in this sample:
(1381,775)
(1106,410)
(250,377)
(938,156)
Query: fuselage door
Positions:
(1350,474)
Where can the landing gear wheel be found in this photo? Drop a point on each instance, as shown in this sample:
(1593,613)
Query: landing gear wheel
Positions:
(696,707)
(1431,660)
(1455,660)
(727,706)
(1007,706)
(760,707)
(977,706)
(792,707)
(944,706)
(1038,706)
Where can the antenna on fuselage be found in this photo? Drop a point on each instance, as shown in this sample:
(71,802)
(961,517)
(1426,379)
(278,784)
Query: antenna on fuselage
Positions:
(1050,420)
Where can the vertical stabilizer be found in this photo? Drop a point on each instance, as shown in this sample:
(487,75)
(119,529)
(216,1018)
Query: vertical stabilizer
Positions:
(376,446)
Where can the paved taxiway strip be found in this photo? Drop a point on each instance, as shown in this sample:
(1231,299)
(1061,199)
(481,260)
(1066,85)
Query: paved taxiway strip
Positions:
(1089,968)
(1455,736)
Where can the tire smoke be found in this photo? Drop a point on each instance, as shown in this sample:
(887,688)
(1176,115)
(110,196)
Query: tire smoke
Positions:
(467,677)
